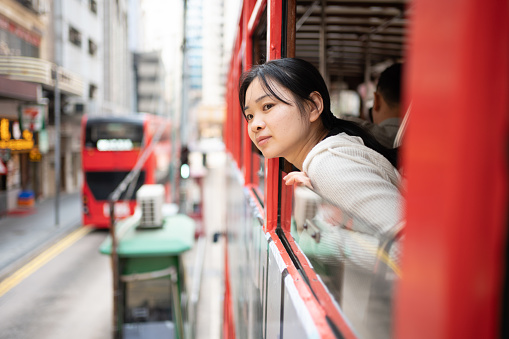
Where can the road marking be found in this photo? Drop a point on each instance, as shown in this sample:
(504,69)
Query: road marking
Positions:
(43,258)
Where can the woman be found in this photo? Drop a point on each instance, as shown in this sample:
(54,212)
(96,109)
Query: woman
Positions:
(287,106)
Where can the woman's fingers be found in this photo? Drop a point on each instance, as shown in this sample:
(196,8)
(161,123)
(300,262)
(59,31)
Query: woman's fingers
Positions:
(297,178)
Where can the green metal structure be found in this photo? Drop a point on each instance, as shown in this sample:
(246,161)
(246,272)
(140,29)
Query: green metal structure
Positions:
(153,301)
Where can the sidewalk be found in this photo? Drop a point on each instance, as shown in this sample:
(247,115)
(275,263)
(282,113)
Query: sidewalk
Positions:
(25,235)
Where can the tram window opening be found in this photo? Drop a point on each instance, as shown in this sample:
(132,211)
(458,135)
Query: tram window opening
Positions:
(260,41)
(348,259)
(259,172)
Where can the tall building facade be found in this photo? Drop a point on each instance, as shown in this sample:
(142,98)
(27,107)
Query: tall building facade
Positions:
(117,80)
(28,80)
(149,83)
(209,35)
(85,43)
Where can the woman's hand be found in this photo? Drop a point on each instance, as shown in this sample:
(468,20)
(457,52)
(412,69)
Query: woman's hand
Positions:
(297,178)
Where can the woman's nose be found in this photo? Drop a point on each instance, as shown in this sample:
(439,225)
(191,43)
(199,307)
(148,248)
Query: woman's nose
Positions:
(257,124)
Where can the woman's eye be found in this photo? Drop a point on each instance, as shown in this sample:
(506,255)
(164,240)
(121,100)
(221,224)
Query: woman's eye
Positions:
(267,106)
(249,117)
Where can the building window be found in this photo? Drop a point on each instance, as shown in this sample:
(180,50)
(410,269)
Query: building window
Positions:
(92,47)
(92,90)
(92,4)
(74,36)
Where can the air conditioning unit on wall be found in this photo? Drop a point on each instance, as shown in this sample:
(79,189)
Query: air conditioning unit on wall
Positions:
(150,200)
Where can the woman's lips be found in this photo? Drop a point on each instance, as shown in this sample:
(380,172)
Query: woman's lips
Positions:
(262,140)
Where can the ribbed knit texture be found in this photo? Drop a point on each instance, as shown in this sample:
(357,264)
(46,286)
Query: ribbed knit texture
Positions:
(364,185)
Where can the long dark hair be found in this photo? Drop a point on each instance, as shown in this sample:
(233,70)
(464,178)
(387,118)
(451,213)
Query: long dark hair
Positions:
(302,78)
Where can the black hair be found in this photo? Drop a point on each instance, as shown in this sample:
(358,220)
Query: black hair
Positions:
(302,79)
(389,84)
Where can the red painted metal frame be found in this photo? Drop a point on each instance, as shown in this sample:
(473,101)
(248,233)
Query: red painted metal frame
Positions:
(455,159)
(247,58)
(315,309)
(323,296)
(274,20)
(228,318)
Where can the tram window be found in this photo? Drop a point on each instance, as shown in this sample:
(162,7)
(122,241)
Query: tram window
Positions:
(260,41)
(350,264)
(259,171)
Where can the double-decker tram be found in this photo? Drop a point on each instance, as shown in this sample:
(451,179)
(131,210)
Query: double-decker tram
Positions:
(111,147)
(298,266)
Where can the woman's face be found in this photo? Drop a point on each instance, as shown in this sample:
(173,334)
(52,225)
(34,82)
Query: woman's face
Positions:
(276,128)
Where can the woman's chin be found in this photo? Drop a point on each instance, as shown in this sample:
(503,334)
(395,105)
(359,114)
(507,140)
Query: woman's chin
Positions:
(268,155)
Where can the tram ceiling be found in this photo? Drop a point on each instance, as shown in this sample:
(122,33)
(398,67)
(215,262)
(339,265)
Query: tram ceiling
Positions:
(351,37)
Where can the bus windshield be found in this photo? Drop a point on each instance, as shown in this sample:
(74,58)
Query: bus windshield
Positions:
(114,135)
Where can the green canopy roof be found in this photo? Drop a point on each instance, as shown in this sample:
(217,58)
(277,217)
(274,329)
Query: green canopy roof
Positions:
(175,237)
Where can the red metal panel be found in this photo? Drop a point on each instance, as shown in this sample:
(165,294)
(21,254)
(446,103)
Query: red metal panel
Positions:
(274,20)
(271,193)
(237,117)
(454,157)
(247,61)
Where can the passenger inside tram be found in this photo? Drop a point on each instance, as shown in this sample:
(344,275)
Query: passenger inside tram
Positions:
(385,117)
(287,106)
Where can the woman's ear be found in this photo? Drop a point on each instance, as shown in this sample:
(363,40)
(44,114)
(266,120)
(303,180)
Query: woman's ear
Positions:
(316,107)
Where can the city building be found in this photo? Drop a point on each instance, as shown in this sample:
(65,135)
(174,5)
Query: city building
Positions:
(117,59)
(209,39)
(149,82)
(85,43)
(27,83)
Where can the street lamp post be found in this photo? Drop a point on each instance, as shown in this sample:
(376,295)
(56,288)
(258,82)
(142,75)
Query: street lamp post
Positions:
(58,53)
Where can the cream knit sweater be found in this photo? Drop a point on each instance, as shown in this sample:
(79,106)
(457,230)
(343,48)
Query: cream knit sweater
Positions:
(364,185)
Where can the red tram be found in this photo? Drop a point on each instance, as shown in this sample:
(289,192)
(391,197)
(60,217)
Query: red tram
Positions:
(286,276)
(111,147)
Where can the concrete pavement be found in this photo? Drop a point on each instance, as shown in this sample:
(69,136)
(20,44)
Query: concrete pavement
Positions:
(26,233)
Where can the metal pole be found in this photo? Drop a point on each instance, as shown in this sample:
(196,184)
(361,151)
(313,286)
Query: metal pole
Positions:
(58,35)
(367,74)
(57,151)
(117,292)
(323,43)
(184,104)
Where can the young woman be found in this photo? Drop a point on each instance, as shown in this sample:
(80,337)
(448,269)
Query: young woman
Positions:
(287,106)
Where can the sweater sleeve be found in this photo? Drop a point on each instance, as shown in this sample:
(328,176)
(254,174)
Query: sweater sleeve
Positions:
(351,179)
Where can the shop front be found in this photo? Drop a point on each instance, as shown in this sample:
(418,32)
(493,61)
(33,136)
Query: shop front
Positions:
(19,162)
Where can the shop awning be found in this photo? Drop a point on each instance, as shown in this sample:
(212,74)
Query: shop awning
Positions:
(20,90)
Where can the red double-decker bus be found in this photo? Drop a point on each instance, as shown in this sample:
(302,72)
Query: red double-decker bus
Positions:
(111,147)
